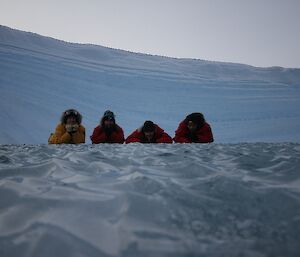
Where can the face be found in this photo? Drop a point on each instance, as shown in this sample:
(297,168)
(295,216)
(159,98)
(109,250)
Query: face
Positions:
(149,135)
(192,126)
(71,120)
(108,123)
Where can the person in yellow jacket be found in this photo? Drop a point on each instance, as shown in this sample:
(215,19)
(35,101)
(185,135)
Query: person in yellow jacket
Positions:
(70,130)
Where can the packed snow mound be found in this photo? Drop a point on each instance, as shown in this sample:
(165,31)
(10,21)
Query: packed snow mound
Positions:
(150,200)
(40,77)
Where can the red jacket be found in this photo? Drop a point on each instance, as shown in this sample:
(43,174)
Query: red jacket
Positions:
(99,136)
(203,135)
(160,136)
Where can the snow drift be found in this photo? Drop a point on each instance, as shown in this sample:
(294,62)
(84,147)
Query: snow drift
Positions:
(41,77)
(150,200)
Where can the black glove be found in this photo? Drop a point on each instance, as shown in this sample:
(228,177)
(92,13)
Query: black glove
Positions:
(109,131)
(193,137)
(72,128)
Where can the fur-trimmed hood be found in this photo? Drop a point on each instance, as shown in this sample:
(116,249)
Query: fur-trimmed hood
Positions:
(68,113)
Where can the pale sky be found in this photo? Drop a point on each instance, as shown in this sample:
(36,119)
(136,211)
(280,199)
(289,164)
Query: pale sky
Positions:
(256,32)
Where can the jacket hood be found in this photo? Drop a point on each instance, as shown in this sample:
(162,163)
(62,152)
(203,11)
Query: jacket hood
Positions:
(69,113)
(197,118)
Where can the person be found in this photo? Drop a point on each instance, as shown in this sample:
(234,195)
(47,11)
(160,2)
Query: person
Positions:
(149,133)
(108,131)
(194,129)
(70,130)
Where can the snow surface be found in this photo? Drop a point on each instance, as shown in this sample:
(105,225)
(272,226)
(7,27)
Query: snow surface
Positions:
(150,200)
(40,77)
(145,200)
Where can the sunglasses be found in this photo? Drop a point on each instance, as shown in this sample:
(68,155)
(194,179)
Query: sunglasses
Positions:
(67,113)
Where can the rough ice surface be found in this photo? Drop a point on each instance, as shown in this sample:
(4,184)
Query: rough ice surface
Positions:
(150,200)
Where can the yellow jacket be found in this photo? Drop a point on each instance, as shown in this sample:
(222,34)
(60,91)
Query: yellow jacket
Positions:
(61,136)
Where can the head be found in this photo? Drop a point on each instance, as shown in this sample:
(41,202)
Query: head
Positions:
(194,121)
(148,130)
(108,119)
(71,116)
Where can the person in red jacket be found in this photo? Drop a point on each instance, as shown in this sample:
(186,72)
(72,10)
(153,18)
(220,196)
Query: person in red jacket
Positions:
(149,133)
(194,129)
(108,131)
